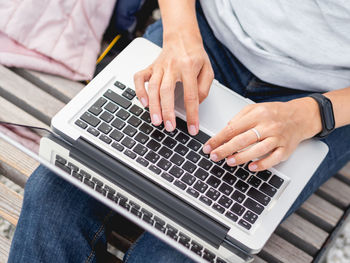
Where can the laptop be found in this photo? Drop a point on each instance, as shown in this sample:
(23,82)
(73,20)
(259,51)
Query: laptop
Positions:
(104,143)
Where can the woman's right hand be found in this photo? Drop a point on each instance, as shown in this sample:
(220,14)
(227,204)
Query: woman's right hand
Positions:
(184,59)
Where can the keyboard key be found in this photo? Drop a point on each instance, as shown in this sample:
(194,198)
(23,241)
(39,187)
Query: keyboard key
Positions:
(202,137)
(81,124)
(106,116)
(225,201)
(129,130)
(180,184)
(154,169)
(165,152)
(189,167)
(188,179)
(169,142)
(203,154)
(116,135)
(172,133)
(217,171)
(146,128)
(130,154)
(276,181)
(153,145)
(134,121)
(201,174)
(209,256)
(93,131)
(128,95)
(183,239)
(231,216)
(160,227)
(194,145)
(101,190)
(89,183)
(167,177)
(259,196)
(105,139)
(127,142)
(141,138)
(181,125)
(117,99)
(123,114)
(264,175)
(97,182)
(241,173)
(61,160)
(250,217)
(105,128)
(146,117)
(254,181)
(111,107)
(193,157)
(176,171)
(213,181)
(205,164)
(241,186)
(140,149)
(142,161)
(100,102)
(238,196)
(230,169)
(73,167)
(205,200)
(119,85)
(131,91)
(90,119)
(229,178)
(117,146)
(157,135)
(218,208)
(196,247)
(181,137)
(200,186)
(192,192)
(254,206)
(177,159)
(146,212)
(245,224)
(152,157)
(213,194)
(109,189)
(136,110)
(159,221)
(237,209)
(117,123)
(164,164)
(95,110)
(77,176)
(268,189)
(225,189)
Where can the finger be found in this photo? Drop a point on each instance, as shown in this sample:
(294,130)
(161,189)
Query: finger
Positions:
(254,152)
(167,101)
(271,160)
(139,79)
(237,143)
(153,94)
(191,102)
(205,79)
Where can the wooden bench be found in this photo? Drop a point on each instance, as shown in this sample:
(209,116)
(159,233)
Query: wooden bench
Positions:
(32,97)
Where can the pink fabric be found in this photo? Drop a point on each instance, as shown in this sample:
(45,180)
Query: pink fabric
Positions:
(60,37)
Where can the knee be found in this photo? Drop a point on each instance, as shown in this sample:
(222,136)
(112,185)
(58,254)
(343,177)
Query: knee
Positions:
(154,33)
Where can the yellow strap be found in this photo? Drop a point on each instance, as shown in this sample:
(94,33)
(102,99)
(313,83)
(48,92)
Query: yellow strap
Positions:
(105,52)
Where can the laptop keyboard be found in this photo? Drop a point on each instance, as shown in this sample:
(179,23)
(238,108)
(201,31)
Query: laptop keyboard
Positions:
(136,209)
(177,157)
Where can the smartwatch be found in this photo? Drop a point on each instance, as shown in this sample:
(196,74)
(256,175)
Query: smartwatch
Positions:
(327,114)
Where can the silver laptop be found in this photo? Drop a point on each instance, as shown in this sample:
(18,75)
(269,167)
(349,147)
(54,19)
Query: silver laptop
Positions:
(105,144)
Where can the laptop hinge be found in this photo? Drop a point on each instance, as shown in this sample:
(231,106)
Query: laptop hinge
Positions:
(242,256)
(135,183)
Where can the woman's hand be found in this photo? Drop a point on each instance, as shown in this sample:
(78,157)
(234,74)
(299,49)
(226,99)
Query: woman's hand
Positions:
(184,59)
(281,125)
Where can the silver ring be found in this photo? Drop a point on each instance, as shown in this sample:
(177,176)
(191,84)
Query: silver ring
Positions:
(256,133)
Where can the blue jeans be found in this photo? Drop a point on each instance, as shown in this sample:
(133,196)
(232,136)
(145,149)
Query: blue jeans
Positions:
(60,223)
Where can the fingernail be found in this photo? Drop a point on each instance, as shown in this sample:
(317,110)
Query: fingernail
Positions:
(144,102)
(231,161)
(156,119)
(206,149)
(253,167)
(168,126)
(214,157)
(192,130)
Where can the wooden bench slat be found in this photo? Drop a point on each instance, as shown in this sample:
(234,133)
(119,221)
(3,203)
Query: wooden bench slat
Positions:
(302,234)
(259,260)
(320,212)
(279,250)
(62,89)
(10,204)
(336,192)
(27,96)
(5,245)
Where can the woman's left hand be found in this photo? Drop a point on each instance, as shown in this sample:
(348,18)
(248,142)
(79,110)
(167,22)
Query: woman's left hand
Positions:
(281,126)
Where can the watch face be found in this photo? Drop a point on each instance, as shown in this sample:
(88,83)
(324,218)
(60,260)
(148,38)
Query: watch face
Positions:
(328,115)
